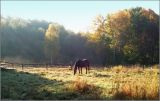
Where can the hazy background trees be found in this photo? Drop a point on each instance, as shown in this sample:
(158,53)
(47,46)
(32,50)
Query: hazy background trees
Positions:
(129,36)
(52,43)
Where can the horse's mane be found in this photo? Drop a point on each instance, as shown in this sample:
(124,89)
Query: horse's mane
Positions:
(83,59)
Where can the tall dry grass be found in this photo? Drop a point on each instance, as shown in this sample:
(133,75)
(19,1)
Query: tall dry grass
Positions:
(118,82)
(85,90)
(138,88)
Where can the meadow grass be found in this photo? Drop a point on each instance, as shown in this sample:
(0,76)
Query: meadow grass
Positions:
(118,82)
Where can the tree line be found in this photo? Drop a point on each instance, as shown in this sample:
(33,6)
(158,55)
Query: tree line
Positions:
(129,36)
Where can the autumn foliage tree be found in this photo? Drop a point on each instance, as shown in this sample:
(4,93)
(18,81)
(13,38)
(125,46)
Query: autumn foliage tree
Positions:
(133,33)
(51,43)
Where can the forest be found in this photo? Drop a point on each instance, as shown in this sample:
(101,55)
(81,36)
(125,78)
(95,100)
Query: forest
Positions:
(129,36)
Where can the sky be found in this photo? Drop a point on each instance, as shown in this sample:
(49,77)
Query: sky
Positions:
(73,15)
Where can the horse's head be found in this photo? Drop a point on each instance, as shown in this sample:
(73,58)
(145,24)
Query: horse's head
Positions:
(75,67)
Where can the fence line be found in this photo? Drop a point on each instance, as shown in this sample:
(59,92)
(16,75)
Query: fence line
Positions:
(22,65)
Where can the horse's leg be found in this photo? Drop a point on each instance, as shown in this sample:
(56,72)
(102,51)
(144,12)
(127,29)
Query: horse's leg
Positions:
(86,70)
(81,70)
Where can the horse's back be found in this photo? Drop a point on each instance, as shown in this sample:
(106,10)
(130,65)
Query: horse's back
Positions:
(85,62)
(82,62)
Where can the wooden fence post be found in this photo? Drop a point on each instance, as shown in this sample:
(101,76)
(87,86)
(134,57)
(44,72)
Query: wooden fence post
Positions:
(22,66)
(12,65)
(143,67)
(46,66)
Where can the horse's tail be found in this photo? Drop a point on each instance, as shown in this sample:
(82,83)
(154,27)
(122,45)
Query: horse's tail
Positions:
(88,66)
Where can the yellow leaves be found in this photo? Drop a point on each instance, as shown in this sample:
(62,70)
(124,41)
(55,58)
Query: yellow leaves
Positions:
(129,49)
(52,41)
(94,37)
(98,20)
(99,24)
(120,20)
(149,14)
(52,32)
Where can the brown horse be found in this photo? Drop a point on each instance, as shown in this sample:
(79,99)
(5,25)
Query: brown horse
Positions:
(81,63)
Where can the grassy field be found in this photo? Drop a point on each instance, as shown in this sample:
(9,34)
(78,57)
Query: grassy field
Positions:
(59,83)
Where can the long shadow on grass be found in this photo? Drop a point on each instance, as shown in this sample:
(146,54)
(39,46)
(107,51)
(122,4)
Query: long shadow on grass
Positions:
(23,85)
